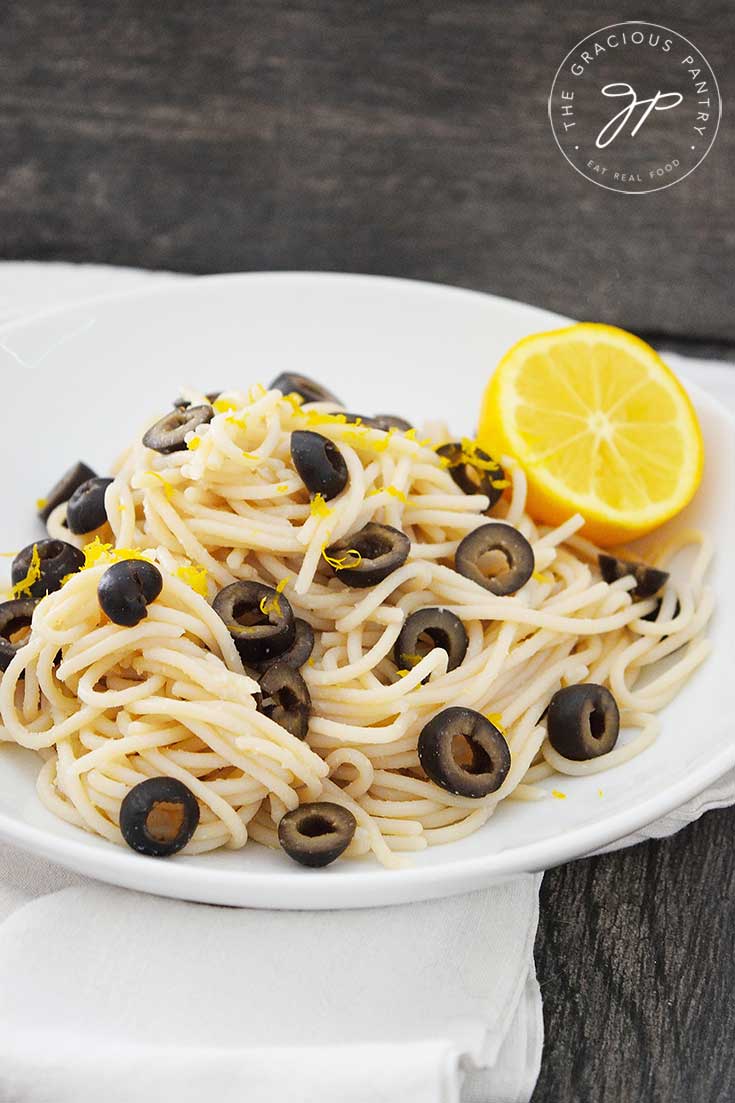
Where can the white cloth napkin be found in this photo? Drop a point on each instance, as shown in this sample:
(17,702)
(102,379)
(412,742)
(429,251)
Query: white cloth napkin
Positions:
(114,995)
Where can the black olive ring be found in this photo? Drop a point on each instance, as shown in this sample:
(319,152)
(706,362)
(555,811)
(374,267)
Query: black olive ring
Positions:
(384,422)
(126,589)
(390,421)
(471,477)
(85,510)
(169,434)
(381,548)
(490,755)
(183,403)
(319,462)
(316,834)
(648,580)
(513,546)
(259,619)
(443,628)
(57,559)
(159,816)
(15,618)
(62,491)
(583,721)
(299,651)
(307,389)
(286,699)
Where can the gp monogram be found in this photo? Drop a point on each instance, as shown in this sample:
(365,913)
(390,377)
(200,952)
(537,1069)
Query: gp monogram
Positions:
(635,107)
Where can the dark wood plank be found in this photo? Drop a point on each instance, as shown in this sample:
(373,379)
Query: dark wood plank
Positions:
(635,956)
(408,139)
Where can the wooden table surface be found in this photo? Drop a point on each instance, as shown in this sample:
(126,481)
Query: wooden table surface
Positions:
(413,140)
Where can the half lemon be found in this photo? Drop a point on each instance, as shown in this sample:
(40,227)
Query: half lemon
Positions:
(600,426)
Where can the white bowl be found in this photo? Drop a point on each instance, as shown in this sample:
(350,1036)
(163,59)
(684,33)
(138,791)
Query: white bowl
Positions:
(77,383)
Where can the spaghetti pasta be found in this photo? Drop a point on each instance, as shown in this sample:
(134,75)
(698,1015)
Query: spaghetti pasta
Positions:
(108,706)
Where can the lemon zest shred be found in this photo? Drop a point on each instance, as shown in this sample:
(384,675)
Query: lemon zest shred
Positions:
(599,792)
(251,456)
(98,554)
(316,417)
(414,660)
(539,576)
(270,605)
(32,575)
(344,562)
(194,443)
(393,491)
(319,507)
(362,440)
(558,794)
(402,673)
(294,400)
(41,503)
(168,489)
(223,405)
(468,454)
(195,577)
(496,719)
(410,434)
(238,422)
(282,488)
(500,484)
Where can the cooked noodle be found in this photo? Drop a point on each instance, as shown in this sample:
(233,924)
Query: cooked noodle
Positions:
(171,696)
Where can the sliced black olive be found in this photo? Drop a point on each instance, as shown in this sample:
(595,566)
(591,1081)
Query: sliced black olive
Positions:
(648,580)
(316,834)
(442,628)
(384,422)
(286,699)
(470,471)
(159,816)
(169,434)
(260,620)
(184,404)
(319,462)
(126,589)
(64,488)
(462,752)
(583,721)
(381,549)
(653,615)
(308,389)
(496,556)
(390,421)
(15,622)
(86,509)
(57,559)
(299,651)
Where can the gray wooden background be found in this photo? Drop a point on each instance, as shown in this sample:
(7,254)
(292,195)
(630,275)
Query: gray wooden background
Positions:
(412,139)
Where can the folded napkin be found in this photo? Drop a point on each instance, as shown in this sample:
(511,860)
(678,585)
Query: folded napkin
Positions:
(112,995)
(117,996)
